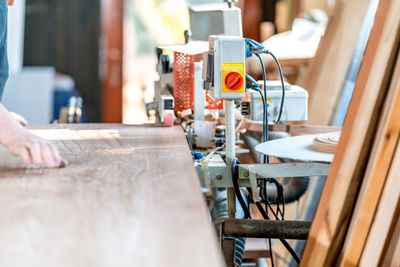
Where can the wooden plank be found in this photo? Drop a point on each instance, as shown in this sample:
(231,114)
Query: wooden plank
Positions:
(374,179)
(327,71)
(391,256)
(257,126)
(129,197)
(348,166)
(385,214)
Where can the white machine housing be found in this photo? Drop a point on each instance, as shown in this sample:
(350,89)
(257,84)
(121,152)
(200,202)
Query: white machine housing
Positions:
(227,54)
(214,18)
(295,106)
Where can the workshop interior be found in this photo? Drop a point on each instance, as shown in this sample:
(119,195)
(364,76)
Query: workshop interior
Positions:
(204,133)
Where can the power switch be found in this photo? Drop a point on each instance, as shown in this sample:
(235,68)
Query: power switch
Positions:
(234,81)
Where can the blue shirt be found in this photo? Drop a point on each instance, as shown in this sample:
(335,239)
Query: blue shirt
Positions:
(3,46)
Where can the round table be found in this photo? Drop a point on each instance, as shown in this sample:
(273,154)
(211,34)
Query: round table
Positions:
(298,148)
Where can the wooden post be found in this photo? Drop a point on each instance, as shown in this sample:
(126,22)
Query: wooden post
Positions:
(112,17)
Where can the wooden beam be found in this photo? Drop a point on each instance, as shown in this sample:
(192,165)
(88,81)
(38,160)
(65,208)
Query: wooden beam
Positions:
(391,256)
(338,197)
(328,70)
(378,166)
(385,214)
(257,126)
(112,13)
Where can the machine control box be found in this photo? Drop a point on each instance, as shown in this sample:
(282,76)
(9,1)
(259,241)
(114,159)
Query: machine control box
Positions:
(295,107)
(224,67)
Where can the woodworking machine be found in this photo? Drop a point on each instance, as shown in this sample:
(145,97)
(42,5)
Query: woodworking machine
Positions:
(224,75)
(208,80)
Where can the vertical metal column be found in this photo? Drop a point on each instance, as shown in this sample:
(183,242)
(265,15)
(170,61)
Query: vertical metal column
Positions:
(230,151)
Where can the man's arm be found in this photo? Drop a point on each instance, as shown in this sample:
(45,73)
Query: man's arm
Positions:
(10,2)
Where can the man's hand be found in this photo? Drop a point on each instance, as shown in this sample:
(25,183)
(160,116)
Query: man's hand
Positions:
(10,2)
(34,150)
(21,120)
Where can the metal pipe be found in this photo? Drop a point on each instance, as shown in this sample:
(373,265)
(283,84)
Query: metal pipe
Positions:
(267,229)
(230,150)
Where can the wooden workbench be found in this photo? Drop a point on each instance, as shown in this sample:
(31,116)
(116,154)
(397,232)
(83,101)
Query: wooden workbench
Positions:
(129,197)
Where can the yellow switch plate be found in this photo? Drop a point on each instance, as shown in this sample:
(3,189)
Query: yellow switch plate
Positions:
(227,90)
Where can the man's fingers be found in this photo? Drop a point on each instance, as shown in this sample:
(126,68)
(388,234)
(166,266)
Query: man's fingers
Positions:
(24,154)
(35,151)
(63,163)
(55,154)
(48,156)
(10,2)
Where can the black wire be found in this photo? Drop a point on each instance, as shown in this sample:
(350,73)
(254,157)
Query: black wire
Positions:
(265,115)
(280,195)
(271,254)
(282,83)
(283,241)
(237,189)
(265,109)
(265,139)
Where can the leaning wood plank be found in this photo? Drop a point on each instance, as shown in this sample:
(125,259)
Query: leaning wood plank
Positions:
(130,197)
(384,216)
(374,179)
(334,210)
(257,126)
(328,70)
(391,256)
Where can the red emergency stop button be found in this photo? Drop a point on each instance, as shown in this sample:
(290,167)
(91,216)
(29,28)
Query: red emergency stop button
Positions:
(234,81)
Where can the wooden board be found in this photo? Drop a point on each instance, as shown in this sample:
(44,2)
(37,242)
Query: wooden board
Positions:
(374,179)
(385,214)
(129,197)
(327,71)
(334,210)
(257,126)
(391,256)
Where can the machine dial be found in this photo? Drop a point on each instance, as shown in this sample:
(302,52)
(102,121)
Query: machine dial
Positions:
(234,81)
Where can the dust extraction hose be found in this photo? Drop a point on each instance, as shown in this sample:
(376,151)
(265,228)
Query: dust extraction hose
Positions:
(219,213)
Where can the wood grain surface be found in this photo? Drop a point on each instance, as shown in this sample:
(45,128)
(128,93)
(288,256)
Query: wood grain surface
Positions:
(347,169)
(129,197)
(381,159)
(327,71)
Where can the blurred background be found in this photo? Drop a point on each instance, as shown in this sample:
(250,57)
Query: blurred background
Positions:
(103,52)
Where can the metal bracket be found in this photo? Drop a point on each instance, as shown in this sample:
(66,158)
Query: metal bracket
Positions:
(253,183)
(220,174)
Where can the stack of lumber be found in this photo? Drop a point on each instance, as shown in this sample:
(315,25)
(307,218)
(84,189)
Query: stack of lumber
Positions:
(357,220)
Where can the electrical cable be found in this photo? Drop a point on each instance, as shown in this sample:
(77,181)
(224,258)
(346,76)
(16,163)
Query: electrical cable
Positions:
(261,49)
(238,193)
(282,83)
(257,49)
(271,253)
(283,241)
(265,104)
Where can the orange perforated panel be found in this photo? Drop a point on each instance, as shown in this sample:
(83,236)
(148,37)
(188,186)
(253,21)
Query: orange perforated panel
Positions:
(212,103)
(184,83)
